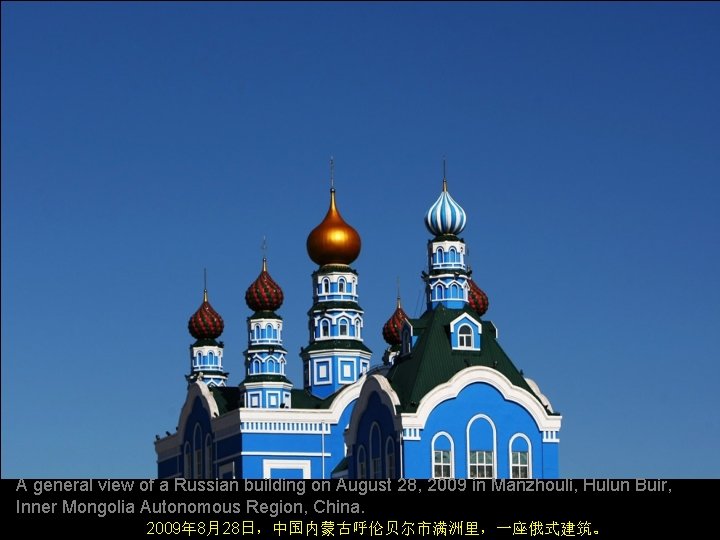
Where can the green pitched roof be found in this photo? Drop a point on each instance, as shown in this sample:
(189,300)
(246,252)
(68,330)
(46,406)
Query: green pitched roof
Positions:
(226,397)
(302,399)
(432,360)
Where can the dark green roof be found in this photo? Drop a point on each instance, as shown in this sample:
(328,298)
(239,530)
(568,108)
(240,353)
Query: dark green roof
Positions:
(432,360)
(264,315)
(334,304)
(330,344)
(204,342)
(340,467)
(269,377)
(332,268)
(265,347)
(303,399)
(226,397)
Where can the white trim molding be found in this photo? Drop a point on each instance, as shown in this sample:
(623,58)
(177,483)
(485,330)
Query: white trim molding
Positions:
(481,374)
(270,464)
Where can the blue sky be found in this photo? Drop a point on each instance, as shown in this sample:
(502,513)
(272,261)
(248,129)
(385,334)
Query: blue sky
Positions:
(143,142)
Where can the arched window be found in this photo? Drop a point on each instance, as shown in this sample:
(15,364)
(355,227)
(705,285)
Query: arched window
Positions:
(326,285)
(481,447)
(187,472)
(208,457)
(268,331)
(455,291)
(197,451)
(271,365)
(439,292)
(465,337)
(343,327)
(390,458)
(341,285)
(439,256)
(357,329)
(375,452)
(257,332)
(361,465)
(324,328)
(452,255)
(442,456)
(520,456)
(255,367)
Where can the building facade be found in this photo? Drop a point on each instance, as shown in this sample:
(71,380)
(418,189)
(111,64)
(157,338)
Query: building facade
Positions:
(446,401)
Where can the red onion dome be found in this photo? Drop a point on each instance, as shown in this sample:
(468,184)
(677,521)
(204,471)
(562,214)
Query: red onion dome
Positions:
(264,294)
(206,323)
(477,298)
(391,329)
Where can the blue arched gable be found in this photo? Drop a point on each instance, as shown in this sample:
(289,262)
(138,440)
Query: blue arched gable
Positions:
(379,419)
(459,415)
(197,427)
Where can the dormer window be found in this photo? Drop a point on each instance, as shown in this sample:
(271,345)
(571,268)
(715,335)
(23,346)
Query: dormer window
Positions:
(465,337)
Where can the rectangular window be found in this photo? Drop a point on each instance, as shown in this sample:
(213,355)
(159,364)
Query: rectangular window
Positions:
(481,464)
(441,464)
(520,466)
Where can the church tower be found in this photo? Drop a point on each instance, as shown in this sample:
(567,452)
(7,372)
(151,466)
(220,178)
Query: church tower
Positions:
(265,385)
(446,283)
(336,355)
(206,325)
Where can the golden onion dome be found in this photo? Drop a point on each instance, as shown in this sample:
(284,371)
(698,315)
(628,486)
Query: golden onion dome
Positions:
(333,241)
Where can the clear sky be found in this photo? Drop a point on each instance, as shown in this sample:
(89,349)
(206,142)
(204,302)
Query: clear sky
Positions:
(144,142)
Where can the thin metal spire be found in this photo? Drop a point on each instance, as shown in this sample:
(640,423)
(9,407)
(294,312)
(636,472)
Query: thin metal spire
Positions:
(444,174)
(205,295)
(263,247)
(398,291)
(332,173)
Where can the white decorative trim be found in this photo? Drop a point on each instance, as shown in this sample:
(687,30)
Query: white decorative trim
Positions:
(305,421)
(196,389)
(494,441)
(481,374)
(298,454)
(510,451)
(388,397)
(270,464)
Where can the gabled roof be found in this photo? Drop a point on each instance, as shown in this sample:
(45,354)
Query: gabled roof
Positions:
(432,360)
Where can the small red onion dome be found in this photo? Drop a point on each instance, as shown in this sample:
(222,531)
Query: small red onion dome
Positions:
(206,323)
(477,298)
(391,329)
(264,294)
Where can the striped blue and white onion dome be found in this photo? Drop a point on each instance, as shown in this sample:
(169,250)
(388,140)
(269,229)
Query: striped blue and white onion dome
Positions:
(445,216)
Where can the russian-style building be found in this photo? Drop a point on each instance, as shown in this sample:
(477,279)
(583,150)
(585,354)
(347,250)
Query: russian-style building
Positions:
(445,402)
